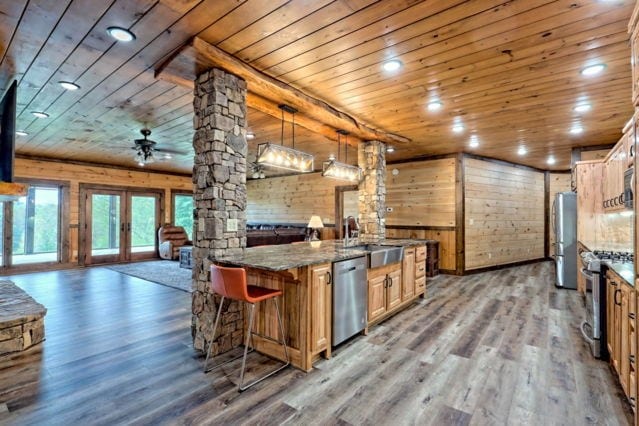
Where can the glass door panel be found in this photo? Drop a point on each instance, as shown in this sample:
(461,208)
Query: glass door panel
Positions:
(183,212)
(105,224)
(104,239)
(143,226)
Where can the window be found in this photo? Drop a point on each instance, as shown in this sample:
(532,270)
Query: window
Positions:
(1,233)
(36,226)
(183,212)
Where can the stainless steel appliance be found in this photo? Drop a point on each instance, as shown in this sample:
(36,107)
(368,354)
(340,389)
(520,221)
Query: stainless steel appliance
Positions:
(350,298)
(593,268)
(593,327)
(564,221)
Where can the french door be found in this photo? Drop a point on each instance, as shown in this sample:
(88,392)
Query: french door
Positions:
(119,225)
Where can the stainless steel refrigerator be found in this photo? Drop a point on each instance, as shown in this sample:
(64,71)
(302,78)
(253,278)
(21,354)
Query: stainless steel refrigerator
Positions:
(564,221)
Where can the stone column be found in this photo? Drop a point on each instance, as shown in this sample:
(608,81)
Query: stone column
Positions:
(219,185)
(372,191)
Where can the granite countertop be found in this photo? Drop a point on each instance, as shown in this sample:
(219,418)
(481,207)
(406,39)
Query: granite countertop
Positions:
(287,256)
(624,270)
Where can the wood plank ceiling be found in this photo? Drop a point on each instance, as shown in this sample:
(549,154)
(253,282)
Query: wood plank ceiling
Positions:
(509,71)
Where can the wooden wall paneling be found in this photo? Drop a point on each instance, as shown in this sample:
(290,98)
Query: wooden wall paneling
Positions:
(546,213)
(460,214)
(291,199)
(512,229)
(557,182)
(421,193)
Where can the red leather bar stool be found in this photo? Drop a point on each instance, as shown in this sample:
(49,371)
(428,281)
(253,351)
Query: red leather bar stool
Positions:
(231,283)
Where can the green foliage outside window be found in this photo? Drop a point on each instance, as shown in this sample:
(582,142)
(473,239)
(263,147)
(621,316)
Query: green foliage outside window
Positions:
(184,213)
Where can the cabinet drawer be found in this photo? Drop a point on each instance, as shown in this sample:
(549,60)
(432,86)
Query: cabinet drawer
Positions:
(420,269)
(420,283)
(420,254)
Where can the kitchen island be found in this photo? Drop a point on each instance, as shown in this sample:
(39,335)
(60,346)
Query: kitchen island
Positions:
(303,272)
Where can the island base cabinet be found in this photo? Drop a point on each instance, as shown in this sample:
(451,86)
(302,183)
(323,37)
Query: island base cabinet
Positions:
(306,308)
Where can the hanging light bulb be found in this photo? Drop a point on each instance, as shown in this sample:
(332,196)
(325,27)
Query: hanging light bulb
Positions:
(280,156)
(334,169)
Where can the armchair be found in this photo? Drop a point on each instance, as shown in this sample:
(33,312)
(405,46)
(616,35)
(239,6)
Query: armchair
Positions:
(170,239)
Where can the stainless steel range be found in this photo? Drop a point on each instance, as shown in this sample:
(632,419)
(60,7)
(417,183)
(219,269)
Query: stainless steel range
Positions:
(593,268)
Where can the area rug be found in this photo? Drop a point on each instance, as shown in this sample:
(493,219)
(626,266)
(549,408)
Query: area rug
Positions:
(163,272)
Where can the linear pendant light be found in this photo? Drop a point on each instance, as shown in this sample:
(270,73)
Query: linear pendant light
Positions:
(342,171)
(282,157)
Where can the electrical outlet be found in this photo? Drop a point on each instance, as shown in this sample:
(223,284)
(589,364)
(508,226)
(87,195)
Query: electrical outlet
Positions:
(471,221)
(231,225)
(490,255)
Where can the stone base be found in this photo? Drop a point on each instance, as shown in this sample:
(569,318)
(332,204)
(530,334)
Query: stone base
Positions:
(21,319)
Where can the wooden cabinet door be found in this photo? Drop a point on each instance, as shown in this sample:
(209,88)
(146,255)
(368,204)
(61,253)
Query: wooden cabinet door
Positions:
(376,297)
(394,295)
(634,44)
(321,305)
(624,358)
(408,274)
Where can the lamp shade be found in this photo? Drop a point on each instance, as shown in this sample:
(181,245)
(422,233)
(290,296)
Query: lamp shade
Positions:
(315,222)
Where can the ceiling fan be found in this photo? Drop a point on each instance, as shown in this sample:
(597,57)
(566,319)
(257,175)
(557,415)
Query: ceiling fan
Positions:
(146,151)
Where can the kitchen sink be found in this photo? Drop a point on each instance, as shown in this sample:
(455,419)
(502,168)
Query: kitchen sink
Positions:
(381,255)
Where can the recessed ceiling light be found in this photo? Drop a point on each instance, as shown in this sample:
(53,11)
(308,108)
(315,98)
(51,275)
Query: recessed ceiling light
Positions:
(551,160)
(121,34)
(21,133)
(68,85)
(393,65)
(250,136)
(390,149)
(40,114)
(458,128)
(576,129)
(582,108)
(522,150)
(593,69)
(435,105)
(474,141)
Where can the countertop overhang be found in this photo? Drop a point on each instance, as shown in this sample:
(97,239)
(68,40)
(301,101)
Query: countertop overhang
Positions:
(288,256)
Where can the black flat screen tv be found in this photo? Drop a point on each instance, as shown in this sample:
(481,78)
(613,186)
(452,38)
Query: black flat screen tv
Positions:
(8,132)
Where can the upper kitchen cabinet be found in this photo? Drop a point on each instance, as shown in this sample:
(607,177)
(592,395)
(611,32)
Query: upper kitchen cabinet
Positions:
(618,168)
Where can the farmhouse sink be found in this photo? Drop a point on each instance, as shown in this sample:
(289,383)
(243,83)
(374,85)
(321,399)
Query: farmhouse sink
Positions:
(381,255)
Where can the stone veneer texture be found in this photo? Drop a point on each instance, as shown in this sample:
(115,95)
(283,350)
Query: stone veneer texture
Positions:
(372,191)
(219,180)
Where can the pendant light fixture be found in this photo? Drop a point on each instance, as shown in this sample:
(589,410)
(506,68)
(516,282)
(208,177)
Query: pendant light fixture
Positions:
(282,157)
(343,171)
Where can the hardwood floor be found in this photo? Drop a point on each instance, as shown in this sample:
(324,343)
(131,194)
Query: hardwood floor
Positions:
(500,347)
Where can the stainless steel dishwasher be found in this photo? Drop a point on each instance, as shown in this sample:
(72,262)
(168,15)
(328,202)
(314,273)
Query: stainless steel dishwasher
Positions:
(350,298)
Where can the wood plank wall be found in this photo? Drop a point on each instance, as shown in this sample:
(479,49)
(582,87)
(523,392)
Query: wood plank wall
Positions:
(421,195)
(504,214)
(291,199)
(76,174)
(558,182)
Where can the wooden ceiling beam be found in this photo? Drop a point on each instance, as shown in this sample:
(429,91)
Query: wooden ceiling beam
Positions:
(266,92)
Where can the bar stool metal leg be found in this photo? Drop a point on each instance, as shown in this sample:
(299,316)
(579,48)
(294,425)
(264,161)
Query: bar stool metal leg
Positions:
(208,352)
(242,388)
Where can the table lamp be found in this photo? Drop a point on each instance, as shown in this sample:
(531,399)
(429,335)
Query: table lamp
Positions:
(315,223)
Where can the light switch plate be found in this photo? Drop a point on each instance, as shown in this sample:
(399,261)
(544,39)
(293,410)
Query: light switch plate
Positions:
(231,225)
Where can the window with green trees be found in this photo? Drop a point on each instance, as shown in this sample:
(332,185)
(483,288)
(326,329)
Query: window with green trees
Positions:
(36,226)
(183,212)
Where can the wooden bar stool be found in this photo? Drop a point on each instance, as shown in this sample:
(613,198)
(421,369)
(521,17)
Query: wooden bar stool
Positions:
(231,283)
